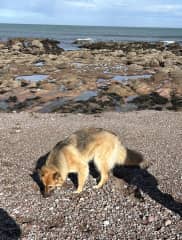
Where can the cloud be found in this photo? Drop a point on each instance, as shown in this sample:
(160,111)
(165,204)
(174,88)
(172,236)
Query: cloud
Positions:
(93,12)
(81,4)
(163,8)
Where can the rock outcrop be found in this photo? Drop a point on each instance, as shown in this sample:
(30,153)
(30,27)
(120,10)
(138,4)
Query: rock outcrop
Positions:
(34,46)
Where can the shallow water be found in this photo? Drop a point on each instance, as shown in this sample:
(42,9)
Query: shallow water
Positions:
(78,65)
(121,78)
(54,105)
(39,63)
(103,81)
(85,96)
(62,88)
(131,98)
(116,67)
(32,78)
(126,107)
(3,105)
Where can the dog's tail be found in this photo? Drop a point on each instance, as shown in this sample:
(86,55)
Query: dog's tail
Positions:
(128,157)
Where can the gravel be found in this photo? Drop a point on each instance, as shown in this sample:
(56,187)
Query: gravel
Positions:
(145,204)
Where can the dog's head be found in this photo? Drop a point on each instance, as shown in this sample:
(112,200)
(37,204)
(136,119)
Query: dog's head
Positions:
(50,178)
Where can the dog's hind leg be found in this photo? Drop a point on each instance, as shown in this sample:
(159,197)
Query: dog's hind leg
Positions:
(102,167)
(104,161)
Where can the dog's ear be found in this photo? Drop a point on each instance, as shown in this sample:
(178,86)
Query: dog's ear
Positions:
(56,176)
(40,173)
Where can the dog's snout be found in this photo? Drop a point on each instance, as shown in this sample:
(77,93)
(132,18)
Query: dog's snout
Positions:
(46,195)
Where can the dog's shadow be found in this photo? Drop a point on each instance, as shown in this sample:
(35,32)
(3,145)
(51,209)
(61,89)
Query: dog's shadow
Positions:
(147,183)
(9,229)
(135,176)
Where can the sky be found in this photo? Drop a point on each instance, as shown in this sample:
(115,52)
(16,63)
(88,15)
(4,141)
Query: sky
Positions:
(149,13)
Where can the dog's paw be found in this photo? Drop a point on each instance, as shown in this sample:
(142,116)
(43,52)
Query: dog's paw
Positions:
(145,165)
(96,187)
(77,191)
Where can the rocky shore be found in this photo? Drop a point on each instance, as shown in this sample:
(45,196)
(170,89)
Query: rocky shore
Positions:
(37,75)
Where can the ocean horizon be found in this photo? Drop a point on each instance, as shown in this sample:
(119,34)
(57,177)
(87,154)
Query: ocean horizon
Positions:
(67,34)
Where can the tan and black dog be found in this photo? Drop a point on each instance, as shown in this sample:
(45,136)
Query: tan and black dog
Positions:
(73,154)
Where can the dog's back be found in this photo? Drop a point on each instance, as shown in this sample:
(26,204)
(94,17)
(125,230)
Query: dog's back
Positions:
(90,144)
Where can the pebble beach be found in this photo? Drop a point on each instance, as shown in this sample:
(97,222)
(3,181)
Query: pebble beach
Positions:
(133,204)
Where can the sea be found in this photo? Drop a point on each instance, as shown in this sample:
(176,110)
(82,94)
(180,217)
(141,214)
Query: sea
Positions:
(68,34)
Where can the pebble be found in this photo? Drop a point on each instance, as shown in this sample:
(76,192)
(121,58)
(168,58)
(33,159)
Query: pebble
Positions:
(151,219)
(106,223)
(168,222)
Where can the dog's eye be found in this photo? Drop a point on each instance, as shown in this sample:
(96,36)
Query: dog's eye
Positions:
(50,187)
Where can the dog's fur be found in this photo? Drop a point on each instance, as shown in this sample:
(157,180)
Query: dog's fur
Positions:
(73,154)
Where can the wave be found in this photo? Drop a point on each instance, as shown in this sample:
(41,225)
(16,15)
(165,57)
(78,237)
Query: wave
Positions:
(167,42)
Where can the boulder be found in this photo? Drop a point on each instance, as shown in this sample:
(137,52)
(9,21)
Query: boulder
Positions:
(154,62)
(164,92)
(125,46)
(52,56)
(34,46)
(17,46)
(48,86)
(117,53)
(15,84)
(176,102)
(24,83)
(51,46)
(175,48)
(176,76)
(160,76)
(134,68)
(37,43)
(141,87)
(12,99)
(120,90)
(150,101)
(131,54)
(2,45)
(81,41)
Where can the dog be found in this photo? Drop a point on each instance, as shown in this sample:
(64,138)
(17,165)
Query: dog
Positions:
(73,154)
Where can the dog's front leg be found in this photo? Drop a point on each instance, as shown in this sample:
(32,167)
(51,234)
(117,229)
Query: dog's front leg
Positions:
(83,172)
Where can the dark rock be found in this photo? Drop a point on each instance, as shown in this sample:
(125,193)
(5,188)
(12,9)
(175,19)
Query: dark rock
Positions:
(51,46)
(176,75)
(125,46)
(176,102)
(34,46)
(160,76)
(24,83)
(12,99)
(175,48)
(150,101)
(120,90)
